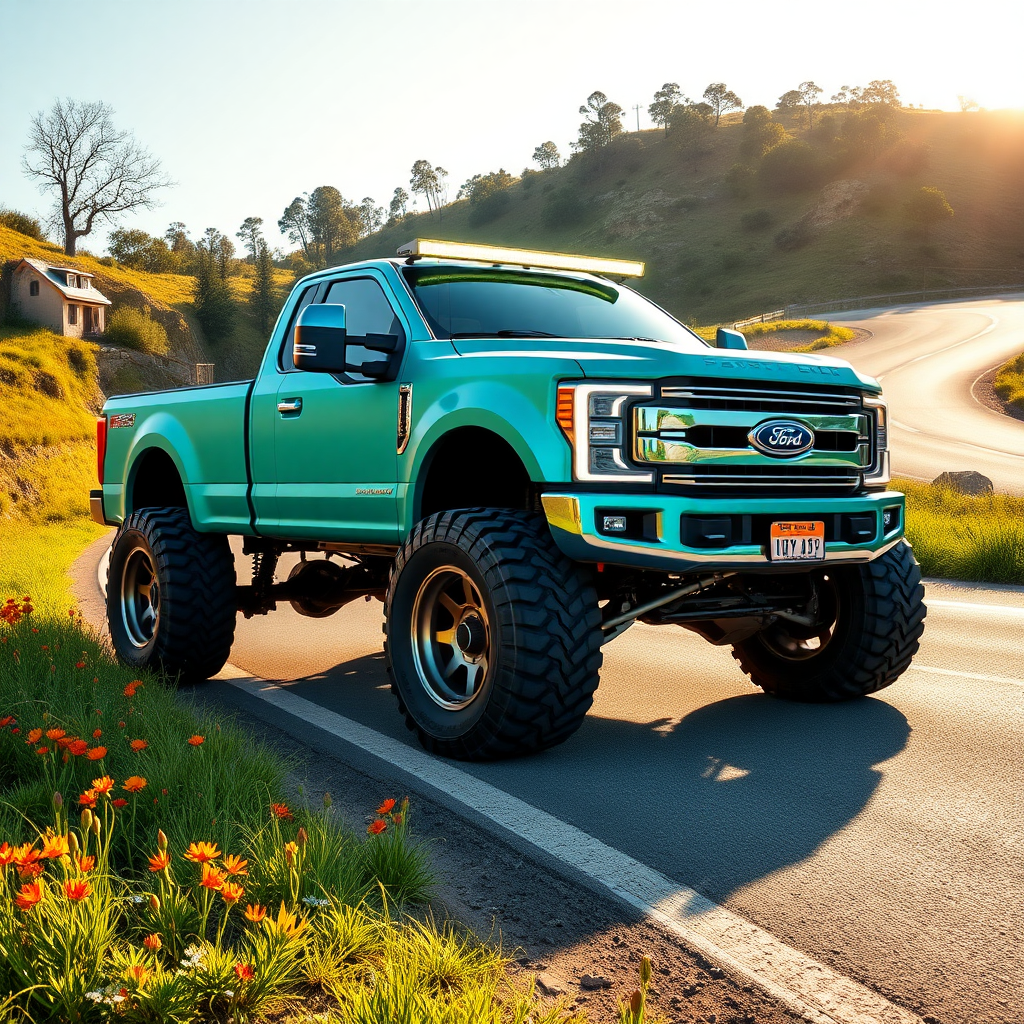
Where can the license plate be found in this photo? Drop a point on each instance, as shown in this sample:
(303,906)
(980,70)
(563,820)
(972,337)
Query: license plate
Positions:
(797,542)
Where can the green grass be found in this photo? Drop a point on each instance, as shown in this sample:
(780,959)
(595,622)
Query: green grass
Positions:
(1009,382)
(829,334)
(956,536)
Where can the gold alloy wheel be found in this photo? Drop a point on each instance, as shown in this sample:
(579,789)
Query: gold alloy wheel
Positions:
(140,598)
(451,638)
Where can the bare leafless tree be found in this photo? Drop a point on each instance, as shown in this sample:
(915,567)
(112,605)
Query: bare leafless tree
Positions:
(97,171)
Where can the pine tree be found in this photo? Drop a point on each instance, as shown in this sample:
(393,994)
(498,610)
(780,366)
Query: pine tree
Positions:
(261,298)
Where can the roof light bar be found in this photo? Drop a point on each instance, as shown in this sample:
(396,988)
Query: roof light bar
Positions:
(520,257)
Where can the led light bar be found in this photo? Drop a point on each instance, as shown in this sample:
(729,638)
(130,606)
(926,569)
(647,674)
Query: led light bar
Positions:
(520,257)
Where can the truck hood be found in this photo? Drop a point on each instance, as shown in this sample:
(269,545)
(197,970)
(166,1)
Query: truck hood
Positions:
(643,360)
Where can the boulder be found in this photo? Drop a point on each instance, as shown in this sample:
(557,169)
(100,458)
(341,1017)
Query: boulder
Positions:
(966,482)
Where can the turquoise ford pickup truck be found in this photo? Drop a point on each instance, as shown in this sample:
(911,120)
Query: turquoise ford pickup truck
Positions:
(521,457)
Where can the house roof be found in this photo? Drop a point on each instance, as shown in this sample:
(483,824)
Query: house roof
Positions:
(51,273)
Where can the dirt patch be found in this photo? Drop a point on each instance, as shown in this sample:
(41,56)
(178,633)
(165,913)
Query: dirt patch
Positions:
(122,371)
(984,392)
(837,201)
(634,213)
(787,341)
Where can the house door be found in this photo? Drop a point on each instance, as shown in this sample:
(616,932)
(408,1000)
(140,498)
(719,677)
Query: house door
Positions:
(87,320)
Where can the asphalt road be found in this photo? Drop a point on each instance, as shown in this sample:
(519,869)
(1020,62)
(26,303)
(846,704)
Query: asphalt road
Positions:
(928,358)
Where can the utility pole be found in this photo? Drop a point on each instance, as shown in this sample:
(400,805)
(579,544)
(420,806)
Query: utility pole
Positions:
(637,109)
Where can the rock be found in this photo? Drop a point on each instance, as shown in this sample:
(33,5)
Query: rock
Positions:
(966,482)
(593,982)
(716,972)
(549,985)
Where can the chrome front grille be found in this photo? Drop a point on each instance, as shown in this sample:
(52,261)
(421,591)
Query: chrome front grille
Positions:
(696,436)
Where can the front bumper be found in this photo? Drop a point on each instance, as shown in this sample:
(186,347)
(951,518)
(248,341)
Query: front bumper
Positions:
(660,526)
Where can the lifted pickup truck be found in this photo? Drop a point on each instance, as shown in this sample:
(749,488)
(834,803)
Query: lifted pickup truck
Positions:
(521,457)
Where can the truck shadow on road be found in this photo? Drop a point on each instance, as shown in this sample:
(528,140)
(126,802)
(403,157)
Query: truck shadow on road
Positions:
(719,798)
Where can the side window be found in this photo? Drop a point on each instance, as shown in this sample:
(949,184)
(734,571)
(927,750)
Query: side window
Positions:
(72,314)
(367,310)
(284,356)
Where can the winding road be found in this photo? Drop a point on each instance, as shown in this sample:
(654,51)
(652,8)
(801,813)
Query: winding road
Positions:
(929,358)
(882,838)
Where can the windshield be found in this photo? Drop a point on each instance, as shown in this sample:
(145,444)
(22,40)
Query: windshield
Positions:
(459,302)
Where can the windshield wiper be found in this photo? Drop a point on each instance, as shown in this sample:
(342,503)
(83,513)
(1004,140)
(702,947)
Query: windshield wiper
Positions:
(503,334)
(657,341)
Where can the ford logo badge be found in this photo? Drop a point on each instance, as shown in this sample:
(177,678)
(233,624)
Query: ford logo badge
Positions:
(781,439)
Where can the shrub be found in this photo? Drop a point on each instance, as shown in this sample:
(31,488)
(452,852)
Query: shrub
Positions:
(795,236)
(22,223)
(928,206)
(792,166)
(756,220)
(136,329)
(563,207)
(740,180)
(1009,382)
(489,208)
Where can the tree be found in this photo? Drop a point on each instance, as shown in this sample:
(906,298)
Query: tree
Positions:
(603,123)
(426,181)
(482,186)
(789,101)
(691,127)
(398,207)
(809,93)
(879,90)
(666,99)
(250,234)
(294,224)
(721,99)
(333,224)
(966,104)
(261,298)
(220,248)
(761,132)
(371,216)
(214,307)
(183,249)
(546,154)
(97,172)
(141,251)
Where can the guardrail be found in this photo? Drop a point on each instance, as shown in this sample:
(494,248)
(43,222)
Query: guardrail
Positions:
(763,318)
(895,298)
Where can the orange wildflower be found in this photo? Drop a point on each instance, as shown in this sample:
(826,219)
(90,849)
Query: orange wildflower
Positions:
(397,818)
(30,895)
(30,871)
(244,972)
(97,753)
(120,802)
(79,664)
(231,892)
(86,863)
(138,745)
(34,736)
(42,750)
(202,852)
(25,854)
(88,798)
(196,741)
(103,785)
(377,827)
(132,687)
(255,913)
(138,974)
(281,812)
(77,889)
(55,734)
(213,878)
(152,942)
(234,865)
(97,733)
(290,849)
(6,854)
(387,806)
(159,861)
(77,747)
(54,846)
(134,783)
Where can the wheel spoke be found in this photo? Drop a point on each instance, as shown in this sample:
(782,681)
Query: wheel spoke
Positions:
(145,588)
(453,664)
(446,636)
(467,590)
(454,609)
(474,674)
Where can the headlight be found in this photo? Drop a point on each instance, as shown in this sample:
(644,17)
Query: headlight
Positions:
(878,474)
(591,417)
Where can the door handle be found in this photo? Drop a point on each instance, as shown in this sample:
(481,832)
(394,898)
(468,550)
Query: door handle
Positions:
(290,405)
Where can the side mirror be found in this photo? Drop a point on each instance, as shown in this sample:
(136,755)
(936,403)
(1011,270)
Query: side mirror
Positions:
(725,337)
(323,345)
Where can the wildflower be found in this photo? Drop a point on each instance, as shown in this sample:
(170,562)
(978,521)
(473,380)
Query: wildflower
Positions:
(6,854)
(120,802)
(77,889)
(196,741)
(152,942)
(290,850)
(287,922)
(120,725)
(302,837)
(377,827)
(397,817)
(138,745)
(138,974)
(159,861)
(313,901)
(77,747)
(161,839)
(194,955)
(281,812)
(79,664)
(88,798)
(234,865)
(97,733)
(134,783)
(34,736)
(25,854)
(255,913)
(55,734)
(6,721)
(213,878)
(30,871)
(132,687)
(86,863)
(54,846)
(42,751)
(244,972)
(31,893)
(231,892)
(96,753)
(387,806)
(103,785)
(200,853)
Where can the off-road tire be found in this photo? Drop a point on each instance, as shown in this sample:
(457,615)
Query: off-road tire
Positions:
(189,634)
(543,634)
(879,621)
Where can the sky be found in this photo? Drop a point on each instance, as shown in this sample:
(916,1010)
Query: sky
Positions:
(249,103)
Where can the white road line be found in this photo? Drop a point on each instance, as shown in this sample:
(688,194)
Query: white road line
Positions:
(805,985)
(966,675)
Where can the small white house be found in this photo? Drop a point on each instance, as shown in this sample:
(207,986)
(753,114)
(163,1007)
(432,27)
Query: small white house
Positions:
(61,298)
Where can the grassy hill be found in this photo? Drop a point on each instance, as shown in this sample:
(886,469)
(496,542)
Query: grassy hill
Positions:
(715,255)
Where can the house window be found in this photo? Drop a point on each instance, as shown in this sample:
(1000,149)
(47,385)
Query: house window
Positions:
(85,283)
(72,314)
(33,287)
(72,281)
